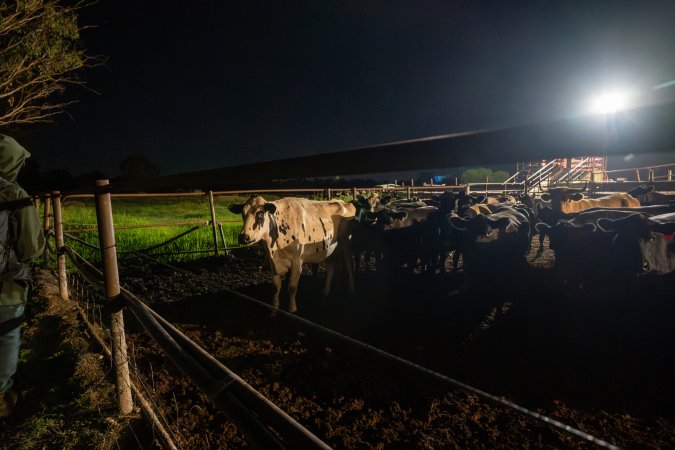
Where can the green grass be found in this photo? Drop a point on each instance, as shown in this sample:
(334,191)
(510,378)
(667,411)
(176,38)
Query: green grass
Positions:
(81,214)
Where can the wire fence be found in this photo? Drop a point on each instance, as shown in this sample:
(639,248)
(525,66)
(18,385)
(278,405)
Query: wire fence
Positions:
(252,412)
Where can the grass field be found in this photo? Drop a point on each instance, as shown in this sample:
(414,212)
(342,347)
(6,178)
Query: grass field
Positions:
(80,214)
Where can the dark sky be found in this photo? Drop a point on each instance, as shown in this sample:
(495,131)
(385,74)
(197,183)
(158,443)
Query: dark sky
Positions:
(198,85)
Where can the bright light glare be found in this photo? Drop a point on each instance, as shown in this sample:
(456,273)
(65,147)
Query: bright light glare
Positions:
(609,102)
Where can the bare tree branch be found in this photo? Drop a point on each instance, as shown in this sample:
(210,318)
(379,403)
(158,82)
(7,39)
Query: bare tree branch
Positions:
(39,59)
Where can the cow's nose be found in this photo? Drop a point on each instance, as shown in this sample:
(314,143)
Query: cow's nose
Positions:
(244,239)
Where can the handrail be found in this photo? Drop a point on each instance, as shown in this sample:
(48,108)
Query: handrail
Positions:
(573,170)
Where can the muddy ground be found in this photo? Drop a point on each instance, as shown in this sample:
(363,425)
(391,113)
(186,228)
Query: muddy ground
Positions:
(597,357)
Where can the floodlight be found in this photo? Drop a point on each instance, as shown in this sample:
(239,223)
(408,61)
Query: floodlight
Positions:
(609,102)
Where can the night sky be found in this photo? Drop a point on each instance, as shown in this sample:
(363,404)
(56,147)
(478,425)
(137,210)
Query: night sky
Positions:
(199,85)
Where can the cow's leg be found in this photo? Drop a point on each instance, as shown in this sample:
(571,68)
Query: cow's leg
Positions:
(293,279)
(541,242)
(455,259)
(348,257)
(330,271)
(276,280)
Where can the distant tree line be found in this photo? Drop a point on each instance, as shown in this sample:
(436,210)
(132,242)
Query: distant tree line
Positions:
(137,166)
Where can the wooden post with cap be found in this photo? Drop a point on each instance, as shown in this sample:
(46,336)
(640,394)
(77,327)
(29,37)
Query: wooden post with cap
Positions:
(58,237)
(106,238)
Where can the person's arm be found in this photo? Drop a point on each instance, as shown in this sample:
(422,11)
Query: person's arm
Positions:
(30,240)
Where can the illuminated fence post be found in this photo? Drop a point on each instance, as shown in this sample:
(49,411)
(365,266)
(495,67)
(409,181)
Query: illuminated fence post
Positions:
(353,193)
(47,206)
(670,175)
(408,192)
(58,237)
(214,226)
(651,175)
(36,203)
(106,238)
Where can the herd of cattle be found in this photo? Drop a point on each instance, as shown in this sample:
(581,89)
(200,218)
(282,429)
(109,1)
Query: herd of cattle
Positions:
(616,236)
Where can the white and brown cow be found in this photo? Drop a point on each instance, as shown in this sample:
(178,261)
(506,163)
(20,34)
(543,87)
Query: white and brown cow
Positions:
(568,201)
(296,231)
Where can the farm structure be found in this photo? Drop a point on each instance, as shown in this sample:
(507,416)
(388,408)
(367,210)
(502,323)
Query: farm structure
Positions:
(414,359)
(510,345)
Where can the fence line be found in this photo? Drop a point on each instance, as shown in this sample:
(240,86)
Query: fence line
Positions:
(417,367)
(216,388)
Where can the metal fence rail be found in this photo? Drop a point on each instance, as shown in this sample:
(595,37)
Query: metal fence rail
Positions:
(264,425)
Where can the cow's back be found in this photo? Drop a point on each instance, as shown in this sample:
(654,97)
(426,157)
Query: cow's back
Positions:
(310,229)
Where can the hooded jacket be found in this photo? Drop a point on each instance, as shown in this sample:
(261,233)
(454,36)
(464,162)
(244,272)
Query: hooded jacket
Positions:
(25,230)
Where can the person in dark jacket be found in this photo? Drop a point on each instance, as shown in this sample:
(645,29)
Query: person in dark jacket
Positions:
(21,240)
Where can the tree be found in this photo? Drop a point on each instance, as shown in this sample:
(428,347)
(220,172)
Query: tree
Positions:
(480,174)
(138,166)
(39,59)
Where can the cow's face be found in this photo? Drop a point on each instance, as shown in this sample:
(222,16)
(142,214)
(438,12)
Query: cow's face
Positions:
(258,216)
(372,203)
(560,197)
(632,233)
(481,229)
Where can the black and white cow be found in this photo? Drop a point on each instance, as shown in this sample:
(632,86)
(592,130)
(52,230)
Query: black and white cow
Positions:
(296,231)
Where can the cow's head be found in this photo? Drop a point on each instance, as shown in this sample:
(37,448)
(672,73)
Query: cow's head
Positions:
(464,201)
(480,228)
(641,191)
(565,235)
(372,203)
(447,201)
(560,197)
(258,216)
(629,234)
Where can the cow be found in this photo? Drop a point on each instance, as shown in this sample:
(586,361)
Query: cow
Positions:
(582,253)
(569,201)
(296,231)
(647,196)
(639,238)
(500,239)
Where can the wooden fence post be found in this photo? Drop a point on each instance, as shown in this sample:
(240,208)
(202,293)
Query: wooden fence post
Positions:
(328,194)
(409,192)
(106,237)
(353,193)
(637,175)
(650,175)
(36,203)
(214,229)
(47,206)
(58,237)
(670,175)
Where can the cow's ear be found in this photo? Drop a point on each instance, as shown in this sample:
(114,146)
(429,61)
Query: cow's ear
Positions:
(480,198)
(236,208)
(362,200)
(499,223)
(385,200)
(576,196)
(648,189)
(542,228)
(459,223)
(546,197)
(270,208)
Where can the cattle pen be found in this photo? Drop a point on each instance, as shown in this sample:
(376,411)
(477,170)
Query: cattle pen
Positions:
(262,423)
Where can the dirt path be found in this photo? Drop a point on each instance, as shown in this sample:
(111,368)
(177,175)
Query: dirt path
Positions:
(67,399)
